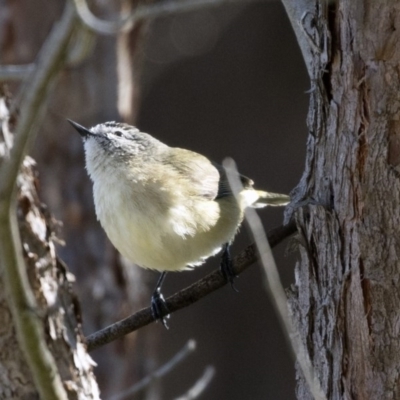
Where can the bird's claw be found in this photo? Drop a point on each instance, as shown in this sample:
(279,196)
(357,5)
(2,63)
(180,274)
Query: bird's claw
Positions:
(159,308)
(227,267)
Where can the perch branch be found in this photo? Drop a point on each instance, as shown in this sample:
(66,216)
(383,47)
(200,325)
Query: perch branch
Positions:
(187,296)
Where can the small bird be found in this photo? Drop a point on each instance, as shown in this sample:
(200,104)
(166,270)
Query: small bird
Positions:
(164,208)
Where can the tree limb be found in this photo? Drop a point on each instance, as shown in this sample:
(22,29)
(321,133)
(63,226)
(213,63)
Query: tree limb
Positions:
(182,354)
(20,296)
(200,385)
(15,72)
(297,11)
(147,11)
(187,296)
(275,288)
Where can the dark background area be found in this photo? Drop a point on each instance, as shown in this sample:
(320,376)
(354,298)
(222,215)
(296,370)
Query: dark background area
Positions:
(233,85)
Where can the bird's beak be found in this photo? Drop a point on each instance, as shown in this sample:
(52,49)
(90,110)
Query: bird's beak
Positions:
(84,132)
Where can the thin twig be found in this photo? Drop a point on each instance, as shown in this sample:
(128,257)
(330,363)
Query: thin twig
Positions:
(188,349)
(295,9)
(84,44)
(6,144)
(201,384)
(187,296)
(149,11)
(21,299)
(15,72)
(275,288)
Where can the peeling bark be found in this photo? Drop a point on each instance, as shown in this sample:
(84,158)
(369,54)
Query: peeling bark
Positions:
(58,306)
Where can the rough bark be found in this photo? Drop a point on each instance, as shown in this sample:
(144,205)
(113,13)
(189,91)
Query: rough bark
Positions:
(52,286)
(346,298)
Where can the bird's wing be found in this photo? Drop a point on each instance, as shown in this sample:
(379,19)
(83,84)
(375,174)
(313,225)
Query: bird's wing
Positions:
(196,169)
(208,179)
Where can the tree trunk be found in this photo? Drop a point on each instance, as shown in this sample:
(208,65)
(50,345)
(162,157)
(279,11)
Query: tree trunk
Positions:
(51,283)
(346,298)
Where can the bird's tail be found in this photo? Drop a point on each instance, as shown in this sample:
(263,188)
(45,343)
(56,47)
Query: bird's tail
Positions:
(270,199)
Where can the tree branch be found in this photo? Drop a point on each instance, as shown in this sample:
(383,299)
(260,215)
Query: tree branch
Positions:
(295,10)
(200,385)
(21,299)
(148,11)
(306,19)
(187,296)
(274,287)
(82,45)
(15,72)
(188,349)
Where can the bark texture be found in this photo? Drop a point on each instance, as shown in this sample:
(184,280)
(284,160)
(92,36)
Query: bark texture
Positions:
(52,286)
(346,298)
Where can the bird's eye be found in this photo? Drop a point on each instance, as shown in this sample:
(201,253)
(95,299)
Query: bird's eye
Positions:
(118,133)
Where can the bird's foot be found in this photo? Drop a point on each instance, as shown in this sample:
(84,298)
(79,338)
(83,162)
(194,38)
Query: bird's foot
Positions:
(227,266)
(159,308)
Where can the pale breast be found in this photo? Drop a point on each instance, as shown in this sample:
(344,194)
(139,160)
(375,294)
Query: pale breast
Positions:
(153,235)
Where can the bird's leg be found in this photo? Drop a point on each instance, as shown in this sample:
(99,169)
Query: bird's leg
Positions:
(158,306)
(227,265)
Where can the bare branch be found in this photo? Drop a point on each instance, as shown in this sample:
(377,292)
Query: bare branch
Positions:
(82,45)
(81,48)
(275,288)
(7,139)
(201,385)
(306,17)
(20,296)
(15,72)
(188,349)
(295,10)
(149,11)
(188,296)
(50,61)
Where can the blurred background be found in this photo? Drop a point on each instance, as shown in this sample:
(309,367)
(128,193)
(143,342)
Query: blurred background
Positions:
(226,81)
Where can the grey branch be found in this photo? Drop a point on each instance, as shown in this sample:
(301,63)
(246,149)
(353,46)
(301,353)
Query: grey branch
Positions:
(82,46)
(15,72)
(20,296)
(295,10)
(275,288)
(148,11)
(187,296)
(188,349)
(200,385)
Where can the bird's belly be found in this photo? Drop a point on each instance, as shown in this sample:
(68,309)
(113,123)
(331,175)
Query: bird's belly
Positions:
(173,239)
(168,252)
